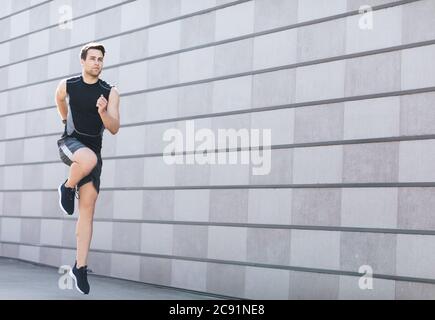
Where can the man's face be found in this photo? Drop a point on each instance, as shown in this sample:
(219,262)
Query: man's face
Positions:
(93,65)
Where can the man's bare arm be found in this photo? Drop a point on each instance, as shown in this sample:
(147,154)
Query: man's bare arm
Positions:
(109,111)
(60,98)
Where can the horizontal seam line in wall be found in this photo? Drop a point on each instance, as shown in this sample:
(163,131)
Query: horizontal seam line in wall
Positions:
(25,9)
(263,109)
(238,149)
(240,111)
(240,263)
(301,24)
(268,70)
(248,73)
(66,21)
(186,16)
(254,186)
(243,225)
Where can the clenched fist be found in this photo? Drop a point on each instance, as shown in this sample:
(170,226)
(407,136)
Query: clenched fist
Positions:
(102,105)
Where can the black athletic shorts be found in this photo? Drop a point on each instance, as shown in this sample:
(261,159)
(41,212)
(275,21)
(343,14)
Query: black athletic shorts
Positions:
(67,146)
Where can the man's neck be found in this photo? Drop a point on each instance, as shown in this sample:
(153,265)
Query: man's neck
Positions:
(89,80)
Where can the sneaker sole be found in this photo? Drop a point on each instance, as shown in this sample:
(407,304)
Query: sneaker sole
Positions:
(75,281)
(60,201)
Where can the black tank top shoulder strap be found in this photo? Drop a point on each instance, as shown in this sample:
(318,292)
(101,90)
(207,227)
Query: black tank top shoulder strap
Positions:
(105,85)
(71,81)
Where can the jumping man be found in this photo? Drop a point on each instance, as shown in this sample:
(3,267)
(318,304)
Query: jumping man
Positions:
(92,106)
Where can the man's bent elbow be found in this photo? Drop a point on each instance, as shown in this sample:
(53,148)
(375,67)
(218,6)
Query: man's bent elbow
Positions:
(114,130)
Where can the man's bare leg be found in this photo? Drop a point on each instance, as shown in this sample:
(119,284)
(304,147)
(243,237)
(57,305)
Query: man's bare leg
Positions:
(87,199)
(84,160)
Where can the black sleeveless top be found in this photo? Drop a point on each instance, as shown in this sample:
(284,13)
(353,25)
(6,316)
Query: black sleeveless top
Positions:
(84,121)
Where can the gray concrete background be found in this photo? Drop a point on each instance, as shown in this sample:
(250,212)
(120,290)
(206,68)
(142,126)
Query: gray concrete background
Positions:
(352,120)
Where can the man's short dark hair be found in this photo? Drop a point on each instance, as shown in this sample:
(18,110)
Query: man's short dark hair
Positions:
(92,45)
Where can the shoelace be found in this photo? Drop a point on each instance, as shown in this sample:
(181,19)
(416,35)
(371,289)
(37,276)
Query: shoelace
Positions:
(73,193)
(70,192)
(84,272)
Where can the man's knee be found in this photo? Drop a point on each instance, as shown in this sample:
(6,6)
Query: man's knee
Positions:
(86,158)
(86,211)
(87,204)
(88,196)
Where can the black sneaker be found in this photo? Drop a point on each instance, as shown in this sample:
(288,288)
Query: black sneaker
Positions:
(66,198)
(80,276)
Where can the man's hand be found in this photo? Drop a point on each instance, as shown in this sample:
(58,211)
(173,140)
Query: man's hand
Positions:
(102,105)
(109,111)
